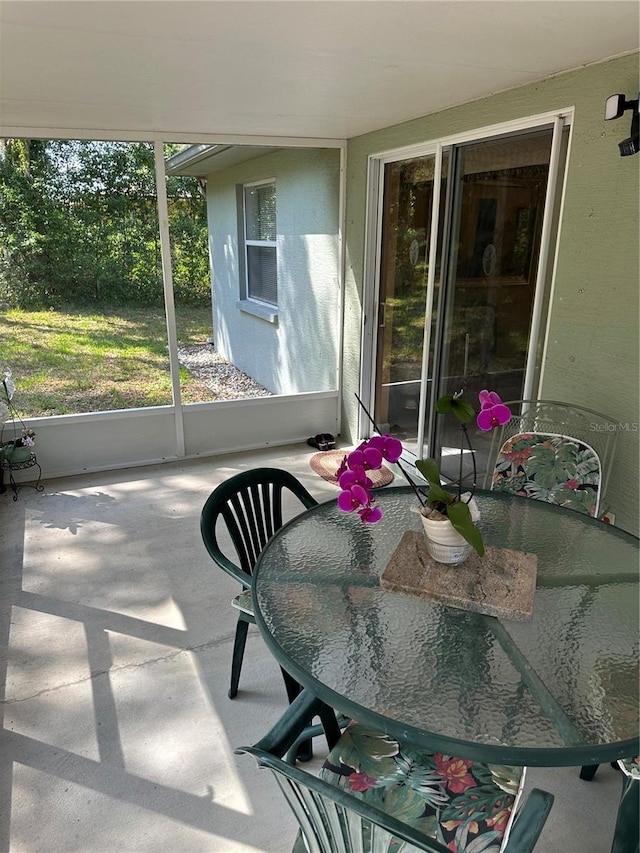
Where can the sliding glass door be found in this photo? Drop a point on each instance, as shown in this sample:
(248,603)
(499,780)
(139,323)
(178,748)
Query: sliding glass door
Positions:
(404,270)
(471,328)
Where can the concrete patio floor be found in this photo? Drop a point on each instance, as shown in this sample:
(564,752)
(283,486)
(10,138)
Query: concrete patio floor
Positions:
(116,637)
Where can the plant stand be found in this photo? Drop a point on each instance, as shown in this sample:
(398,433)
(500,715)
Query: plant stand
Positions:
(7,465)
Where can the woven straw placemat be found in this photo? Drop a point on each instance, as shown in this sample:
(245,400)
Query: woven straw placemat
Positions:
(502,583)
(327,462)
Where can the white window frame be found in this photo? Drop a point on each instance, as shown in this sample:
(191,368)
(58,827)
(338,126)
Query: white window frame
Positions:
(249,302)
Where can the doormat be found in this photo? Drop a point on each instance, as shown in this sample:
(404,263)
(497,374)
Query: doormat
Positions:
(327,462)
(502,583)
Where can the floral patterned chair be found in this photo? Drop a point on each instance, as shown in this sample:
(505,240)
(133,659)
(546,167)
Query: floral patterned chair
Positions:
(374,795)
(453,800)
(551,468)
(554,452)
(557,453)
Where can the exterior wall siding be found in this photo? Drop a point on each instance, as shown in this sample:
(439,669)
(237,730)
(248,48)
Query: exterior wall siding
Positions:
(593,342)
(299,352)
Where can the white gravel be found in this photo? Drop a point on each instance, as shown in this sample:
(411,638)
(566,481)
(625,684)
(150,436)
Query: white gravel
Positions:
(224,379)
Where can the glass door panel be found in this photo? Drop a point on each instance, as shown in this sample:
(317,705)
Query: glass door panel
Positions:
(406,235)
(483,341)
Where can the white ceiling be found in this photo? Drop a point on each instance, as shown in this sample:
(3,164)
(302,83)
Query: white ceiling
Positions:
(302,68)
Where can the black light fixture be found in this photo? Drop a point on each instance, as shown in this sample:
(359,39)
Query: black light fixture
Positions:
(615,107)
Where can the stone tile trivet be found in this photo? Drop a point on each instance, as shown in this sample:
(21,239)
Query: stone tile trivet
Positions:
(502,583)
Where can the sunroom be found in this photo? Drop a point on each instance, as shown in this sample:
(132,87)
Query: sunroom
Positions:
(530,241)
(452,210)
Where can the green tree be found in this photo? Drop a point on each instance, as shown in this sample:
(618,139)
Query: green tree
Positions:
(79,225)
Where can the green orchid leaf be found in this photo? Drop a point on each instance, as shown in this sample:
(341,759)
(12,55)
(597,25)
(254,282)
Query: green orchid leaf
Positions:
(460,518)
(438,495)
(430,471)
(444,404)
(463,411)
(458,407)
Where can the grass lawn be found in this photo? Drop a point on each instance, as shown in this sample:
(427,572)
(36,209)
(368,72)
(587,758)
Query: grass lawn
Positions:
(78,360)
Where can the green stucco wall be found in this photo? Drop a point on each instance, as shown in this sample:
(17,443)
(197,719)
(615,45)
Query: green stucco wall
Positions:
(593,343)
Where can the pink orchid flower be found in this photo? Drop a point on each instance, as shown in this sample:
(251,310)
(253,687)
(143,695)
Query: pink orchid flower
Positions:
(354,498)
(352,475)
(370,514)
(356,476)
(342,467)
(367,457)
(493,412)
(389,447)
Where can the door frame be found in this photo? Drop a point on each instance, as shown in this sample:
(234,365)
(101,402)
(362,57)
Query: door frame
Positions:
(558,119)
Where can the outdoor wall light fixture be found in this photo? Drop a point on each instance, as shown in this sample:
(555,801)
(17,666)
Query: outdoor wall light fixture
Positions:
(615,107)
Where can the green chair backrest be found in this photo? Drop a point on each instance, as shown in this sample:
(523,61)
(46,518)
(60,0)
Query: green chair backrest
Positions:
(251,505)
(333,821)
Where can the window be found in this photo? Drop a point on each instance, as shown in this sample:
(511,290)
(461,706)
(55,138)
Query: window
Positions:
(83,325)
(260,242)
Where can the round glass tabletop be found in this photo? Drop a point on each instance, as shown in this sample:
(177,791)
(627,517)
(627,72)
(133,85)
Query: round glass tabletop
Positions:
(560,689)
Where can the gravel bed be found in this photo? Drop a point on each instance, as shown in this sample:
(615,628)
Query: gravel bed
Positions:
(222,377)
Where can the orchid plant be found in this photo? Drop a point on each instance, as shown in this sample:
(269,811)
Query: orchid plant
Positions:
(356,493)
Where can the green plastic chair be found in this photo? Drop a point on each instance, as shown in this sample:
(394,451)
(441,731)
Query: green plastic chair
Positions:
(375,795)
(332,818)
(626,837)
(250,505)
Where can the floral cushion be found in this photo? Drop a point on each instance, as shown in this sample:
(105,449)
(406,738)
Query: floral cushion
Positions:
(243,601)
(630,766)
(464,805)
(551,468)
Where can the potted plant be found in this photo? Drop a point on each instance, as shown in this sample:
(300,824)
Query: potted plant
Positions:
(20,447)
(449,515)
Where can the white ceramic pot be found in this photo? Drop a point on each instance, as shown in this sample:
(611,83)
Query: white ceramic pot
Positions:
(444,543)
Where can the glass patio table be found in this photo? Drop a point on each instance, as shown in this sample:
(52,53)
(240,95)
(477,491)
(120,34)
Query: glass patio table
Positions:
(561,689)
